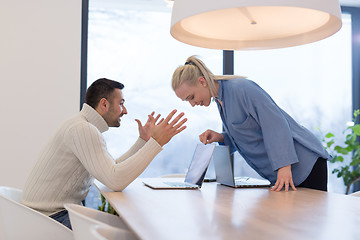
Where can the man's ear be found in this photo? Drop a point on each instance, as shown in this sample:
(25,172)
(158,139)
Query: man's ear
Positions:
(103,106)
(202,81)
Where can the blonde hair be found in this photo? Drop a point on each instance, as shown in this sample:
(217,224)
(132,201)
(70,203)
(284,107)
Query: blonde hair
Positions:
(192,70)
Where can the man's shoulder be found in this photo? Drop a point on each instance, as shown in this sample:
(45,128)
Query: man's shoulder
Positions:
(77,123)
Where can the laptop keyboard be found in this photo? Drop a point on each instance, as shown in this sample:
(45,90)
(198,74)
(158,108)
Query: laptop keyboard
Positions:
(179,184)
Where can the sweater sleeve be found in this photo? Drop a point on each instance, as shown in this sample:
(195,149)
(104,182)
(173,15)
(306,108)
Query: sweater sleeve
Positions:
(89,146)
(134,148)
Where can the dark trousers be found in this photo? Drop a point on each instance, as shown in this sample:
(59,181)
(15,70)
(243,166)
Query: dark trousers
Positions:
(62,217)
(318,177)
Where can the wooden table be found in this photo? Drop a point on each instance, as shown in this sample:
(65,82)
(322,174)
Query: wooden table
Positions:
(220,212)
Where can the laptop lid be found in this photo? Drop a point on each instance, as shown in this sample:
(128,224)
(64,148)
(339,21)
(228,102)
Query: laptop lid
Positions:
(224,170)
(199,163)
(223,166)
(195,174)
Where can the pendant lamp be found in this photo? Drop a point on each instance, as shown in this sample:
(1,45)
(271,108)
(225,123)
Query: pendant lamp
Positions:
(254,24)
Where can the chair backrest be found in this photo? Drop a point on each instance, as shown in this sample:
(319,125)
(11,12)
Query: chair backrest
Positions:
(109,233)
(11,193)
(83,219)
(19,222)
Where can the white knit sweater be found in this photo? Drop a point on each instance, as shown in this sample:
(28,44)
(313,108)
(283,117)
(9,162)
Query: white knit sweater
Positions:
(76,155)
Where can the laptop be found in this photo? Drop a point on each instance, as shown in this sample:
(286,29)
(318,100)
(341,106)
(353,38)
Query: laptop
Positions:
(225,173)
(195,175)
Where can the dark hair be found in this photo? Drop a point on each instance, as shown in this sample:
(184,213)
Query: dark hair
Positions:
(101,88)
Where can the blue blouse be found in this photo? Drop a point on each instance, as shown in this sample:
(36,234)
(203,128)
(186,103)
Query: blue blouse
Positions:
(265,135)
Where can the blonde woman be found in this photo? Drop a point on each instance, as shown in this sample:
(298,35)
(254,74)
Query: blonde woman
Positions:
(271,142)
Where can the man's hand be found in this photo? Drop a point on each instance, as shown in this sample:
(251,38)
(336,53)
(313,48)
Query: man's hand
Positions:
(163,131)
(284,178)
(145,131)
(209,136)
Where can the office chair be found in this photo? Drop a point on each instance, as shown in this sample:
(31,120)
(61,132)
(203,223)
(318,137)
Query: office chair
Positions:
(19,222)
(109,233)
(82,219)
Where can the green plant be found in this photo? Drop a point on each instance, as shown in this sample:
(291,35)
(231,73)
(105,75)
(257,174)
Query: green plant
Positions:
(106,207)
(349,172)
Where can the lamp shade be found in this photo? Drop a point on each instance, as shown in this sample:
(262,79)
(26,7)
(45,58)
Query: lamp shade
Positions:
(254,24)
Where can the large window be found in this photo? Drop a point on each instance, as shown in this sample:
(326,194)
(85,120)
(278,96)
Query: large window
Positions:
(132,44)
(129,41)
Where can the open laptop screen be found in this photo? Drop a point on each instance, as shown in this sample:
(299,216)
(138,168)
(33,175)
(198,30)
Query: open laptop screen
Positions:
(199,164)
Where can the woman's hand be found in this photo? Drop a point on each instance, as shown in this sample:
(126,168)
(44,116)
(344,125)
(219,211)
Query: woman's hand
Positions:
(209,136)
(284,178)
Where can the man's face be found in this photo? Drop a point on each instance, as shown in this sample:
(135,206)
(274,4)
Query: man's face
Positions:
(116,109)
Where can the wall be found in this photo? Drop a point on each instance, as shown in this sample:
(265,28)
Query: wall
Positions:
(39,78)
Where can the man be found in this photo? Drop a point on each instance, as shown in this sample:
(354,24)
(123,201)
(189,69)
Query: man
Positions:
(77,153)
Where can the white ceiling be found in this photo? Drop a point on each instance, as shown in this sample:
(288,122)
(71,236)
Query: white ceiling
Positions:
(130,4)
(160,4)
(351,3)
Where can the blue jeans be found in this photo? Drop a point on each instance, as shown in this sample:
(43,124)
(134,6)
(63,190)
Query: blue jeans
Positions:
(62,217)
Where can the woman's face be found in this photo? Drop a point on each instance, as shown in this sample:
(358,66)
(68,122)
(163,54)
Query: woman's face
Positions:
(198,94)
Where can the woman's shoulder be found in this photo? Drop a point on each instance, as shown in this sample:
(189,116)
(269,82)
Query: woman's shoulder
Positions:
(242,88)
(238,83)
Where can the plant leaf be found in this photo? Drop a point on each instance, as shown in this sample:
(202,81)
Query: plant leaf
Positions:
(356,129)
(329,135)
